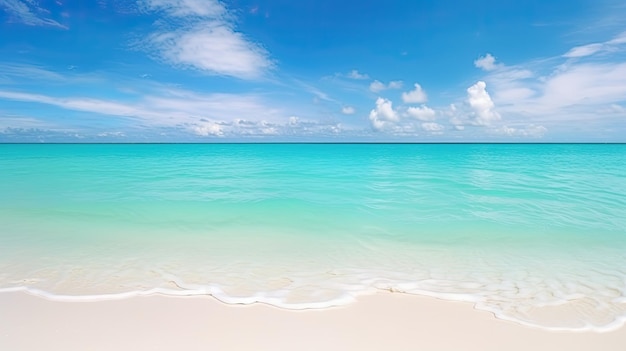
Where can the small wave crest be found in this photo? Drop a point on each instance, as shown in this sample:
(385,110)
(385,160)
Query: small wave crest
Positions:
(551,294)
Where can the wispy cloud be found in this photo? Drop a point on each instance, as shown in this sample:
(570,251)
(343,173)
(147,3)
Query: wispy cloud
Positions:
(170,108)
(187,8)
(201,34)
(10,71)
(584,50)
(595,48)
(8,121)
(319,94)
(175,110)
(28,13)
(582,85)
(580,82)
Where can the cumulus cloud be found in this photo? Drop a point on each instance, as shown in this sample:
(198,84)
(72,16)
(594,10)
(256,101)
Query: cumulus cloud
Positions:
(347,110)
(422,113)
(510,84)
(395,84)
(207,128)
(383,114)
(432,127)
(28,13)
(402,120)
(481,104)
(354,74)
(487,63)
(378,86)
(204,38)
(532,130)
(414,96)
(308,127)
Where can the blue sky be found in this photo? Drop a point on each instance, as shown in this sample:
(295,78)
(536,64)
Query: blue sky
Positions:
(240,70)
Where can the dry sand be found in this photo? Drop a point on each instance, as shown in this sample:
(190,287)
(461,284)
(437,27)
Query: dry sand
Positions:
(379,322)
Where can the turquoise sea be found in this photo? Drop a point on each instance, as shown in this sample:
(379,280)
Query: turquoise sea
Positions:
(535,233)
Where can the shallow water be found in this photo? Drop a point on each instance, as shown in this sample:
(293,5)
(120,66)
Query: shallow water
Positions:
(534,233)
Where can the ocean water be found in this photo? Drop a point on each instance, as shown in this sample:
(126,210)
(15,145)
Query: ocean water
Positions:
(533,233)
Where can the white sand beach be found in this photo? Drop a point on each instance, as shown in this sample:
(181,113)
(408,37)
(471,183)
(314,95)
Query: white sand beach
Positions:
(378,322)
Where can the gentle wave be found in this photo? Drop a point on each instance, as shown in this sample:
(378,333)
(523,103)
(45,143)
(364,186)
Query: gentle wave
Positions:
(533,233)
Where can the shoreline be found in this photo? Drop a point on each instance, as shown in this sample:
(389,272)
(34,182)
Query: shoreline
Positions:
(373,322)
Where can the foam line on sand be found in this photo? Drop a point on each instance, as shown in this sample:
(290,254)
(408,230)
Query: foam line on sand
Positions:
(382,321)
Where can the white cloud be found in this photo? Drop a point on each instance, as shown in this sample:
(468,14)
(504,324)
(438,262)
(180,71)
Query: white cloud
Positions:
(186,8)
(513,94)
(615,108)
(354,74)
(401,121)
(377,86)
(507,74)
(585,50)
(509,83)
(432,127)
(315,91)
(169,108)
(29,14)
(306,127)
(383,114)
(23,122)
(423,113)
(205,115)
(533,131)
(22,71)
(481,104)
(395,84)
(414,96)
(585,84)
(347,110)
(577,89)
(487,63)
(594,48)
(570,91)
(112,134)
(204,38)
(213,48)
(619,39)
